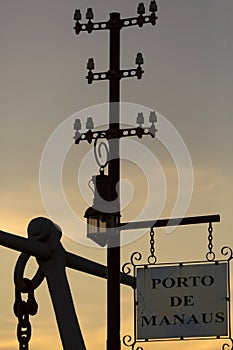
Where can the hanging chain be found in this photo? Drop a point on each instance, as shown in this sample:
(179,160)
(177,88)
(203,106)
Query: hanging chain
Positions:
(210,256)
(22,310)
(210,237)
(152,258)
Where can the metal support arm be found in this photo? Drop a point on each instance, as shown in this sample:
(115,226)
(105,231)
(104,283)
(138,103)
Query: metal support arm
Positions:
(191,220)
(25,245)
(42,251)
(84,265)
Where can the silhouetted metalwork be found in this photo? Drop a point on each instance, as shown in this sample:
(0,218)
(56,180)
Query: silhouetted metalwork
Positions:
(140,20)
(152,258)
(118,133)
(191,220)
(22,310)
(44,236)
(210,256)
(44,244)
(227,346)
(129,342)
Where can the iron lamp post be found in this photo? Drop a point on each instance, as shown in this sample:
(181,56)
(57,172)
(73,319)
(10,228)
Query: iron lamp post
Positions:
(114,74)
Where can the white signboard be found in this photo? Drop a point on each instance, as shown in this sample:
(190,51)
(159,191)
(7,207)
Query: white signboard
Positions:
(182,301)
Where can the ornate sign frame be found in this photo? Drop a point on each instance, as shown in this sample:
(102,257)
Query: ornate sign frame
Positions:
(135,263)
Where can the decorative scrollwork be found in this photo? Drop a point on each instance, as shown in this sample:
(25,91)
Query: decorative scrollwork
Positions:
(128,267)
(128,341)
(227,346)
(98,153)
(135,257)
(227,251)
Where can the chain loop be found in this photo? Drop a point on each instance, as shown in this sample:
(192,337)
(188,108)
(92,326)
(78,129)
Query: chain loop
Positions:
(152,258)
(22,310)
(19,280)
(210,256)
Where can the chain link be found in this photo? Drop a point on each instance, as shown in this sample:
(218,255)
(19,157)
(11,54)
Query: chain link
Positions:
(210,256)
(210,237)
(152,258)
(22,310)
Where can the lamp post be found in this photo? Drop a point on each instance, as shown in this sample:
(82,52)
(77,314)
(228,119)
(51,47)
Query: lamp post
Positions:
(98,222)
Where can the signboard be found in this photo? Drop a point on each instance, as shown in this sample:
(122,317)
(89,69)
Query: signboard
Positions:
(181,301)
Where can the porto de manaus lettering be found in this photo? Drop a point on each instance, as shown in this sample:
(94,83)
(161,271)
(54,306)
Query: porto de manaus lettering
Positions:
(185,302)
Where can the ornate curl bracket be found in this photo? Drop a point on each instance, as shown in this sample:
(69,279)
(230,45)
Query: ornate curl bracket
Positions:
(130,268)
(227,252)
(227,346)
(98,153)
(135,259)
(130,343)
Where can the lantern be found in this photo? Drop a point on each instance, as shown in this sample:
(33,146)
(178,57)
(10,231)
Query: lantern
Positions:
(102,215)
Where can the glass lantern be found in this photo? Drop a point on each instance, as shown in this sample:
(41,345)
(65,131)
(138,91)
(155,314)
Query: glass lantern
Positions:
(101,216)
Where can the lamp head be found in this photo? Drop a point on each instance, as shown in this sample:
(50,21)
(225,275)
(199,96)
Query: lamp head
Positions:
(153,6)
(91,64)
(140,118)
(139,59)
(77,124)
(89,123)
(89,14)
(153,117)
(141,8)
(77,15)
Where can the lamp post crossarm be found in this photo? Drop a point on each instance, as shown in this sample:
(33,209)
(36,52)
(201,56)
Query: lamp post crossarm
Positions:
(116,134)
(91,26)
(140,20)
(119,74)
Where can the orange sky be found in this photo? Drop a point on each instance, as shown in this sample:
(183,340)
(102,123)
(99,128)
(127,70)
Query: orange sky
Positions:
(188,80)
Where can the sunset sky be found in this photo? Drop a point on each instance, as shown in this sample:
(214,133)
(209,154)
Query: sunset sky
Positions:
(188,80)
